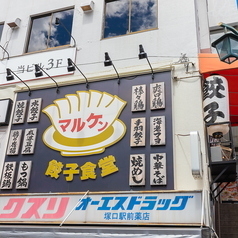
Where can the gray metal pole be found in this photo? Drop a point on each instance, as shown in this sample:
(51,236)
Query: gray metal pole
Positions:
(73,208)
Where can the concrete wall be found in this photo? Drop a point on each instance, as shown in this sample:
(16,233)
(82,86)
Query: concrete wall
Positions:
(176,34)
(222,11)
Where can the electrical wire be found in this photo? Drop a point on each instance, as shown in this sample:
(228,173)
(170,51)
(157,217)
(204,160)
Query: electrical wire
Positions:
(7,42)
(129,58)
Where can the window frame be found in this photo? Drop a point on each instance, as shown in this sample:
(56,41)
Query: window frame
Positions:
(1,24)
(41,16)
(129,26)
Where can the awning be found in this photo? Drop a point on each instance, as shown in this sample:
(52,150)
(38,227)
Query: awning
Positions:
(102,232)
(210,64)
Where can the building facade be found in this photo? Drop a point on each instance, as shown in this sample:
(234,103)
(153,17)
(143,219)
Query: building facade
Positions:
(102,107)
(221,14)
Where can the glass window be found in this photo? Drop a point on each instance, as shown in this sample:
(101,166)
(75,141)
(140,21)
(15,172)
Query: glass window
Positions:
(45,34)
(128,16)
(216,34)
(1,29)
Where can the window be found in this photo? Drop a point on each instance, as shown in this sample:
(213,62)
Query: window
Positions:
(45,34)
(128,16)
(1,29)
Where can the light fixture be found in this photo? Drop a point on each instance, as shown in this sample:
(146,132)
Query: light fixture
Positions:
(108,62)
(38,73)
(11,77)
(6,52)
(227,45)
(71,67)
(14,24)
(87,6)
(57,22)
(143,55)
